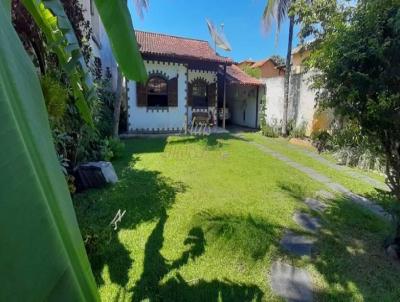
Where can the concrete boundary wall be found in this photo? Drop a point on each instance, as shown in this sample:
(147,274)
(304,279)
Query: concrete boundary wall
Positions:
(301,100)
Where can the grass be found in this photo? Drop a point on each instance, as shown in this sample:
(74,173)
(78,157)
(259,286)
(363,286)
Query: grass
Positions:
(355,185)
(203,222)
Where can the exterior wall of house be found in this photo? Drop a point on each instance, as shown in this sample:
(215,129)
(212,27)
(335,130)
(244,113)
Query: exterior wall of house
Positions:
(242,103)
(144,119)
(268,70)
(99,43)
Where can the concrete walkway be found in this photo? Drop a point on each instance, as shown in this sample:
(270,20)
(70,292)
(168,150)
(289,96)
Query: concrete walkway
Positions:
(336,187)
(359,176)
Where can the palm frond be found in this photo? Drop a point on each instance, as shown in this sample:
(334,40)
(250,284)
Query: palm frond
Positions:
(281,13)
(275,10)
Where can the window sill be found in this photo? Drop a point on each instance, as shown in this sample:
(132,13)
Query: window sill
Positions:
(157,109)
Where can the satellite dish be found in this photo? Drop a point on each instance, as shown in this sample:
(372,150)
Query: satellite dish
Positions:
(218,36)
(140,6)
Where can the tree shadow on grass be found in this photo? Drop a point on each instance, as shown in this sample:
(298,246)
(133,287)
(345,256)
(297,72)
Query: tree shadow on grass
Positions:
(156,267)
(349,253)
(210,142)
(143,195)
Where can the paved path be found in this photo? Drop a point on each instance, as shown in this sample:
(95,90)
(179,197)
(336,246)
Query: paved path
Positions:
(289,282)
(369,180)
(336,187)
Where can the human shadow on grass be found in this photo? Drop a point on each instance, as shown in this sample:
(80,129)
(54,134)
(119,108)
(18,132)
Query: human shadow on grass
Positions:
(143,195)
(349,252)
(176,288)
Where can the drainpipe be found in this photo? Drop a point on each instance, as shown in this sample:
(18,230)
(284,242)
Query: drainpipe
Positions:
(186,99)
(224,101)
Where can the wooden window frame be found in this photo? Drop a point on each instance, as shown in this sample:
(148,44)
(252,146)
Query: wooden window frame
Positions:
(165,94)
(205,84)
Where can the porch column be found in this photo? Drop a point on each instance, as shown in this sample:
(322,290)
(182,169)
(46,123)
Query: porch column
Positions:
(224,99)
(257,109)
(186,101)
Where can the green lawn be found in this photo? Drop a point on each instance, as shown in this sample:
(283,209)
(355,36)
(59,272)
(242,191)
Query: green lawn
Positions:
(355,185)
(203,222)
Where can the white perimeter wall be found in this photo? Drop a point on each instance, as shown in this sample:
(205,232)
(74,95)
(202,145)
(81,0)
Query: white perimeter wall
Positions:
(274,99)
(301,100)
(173,119)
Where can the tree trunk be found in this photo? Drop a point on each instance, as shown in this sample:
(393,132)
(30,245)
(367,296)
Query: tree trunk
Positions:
(287,78)
(117,105)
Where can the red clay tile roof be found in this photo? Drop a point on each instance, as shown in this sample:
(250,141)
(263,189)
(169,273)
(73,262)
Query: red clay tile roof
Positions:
(237,76)
(178,47)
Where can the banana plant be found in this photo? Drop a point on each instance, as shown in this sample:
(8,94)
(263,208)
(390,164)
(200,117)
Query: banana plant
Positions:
(42,256)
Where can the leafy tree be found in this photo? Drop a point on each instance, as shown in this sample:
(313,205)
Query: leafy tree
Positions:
(253,72)
(356,53)
(278,59)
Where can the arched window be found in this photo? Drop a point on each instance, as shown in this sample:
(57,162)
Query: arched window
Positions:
(157,92)
(199,94)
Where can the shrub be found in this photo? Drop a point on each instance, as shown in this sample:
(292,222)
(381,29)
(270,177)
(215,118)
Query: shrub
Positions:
(271,129)
(298,131)
(321,140)
(111,148)
(56,97)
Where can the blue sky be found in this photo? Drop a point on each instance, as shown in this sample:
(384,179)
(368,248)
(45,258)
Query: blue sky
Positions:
(241,18)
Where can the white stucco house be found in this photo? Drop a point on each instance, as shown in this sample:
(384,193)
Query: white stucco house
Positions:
(188,80)
(99,42)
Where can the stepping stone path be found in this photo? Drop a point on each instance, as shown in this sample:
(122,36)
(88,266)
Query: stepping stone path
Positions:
(297,245)
(315,204)
(291,283)
(355,174)
(362,201)
(306,221)
(325,194)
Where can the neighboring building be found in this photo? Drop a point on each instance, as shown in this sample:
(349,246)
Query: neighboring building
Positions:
(185,82)
(299,54)
(246,63)
(243,97)
(269,68)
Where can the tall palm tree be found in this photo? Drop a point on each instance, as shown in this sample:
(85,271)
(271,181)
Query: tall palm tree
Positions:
(277,10)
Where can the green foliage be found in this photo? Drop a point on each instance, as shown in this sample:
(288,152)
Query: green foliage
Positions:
(56,97)
(51,19)
(278,59)
(45,257)
(298,131)
(357,56)
(271,130)
(321,140)
(118,25)
(111,149)
(253,72)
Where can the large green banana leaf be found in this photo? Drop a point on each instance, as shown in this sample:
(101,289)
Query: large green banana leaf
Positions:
(62,41)
(42,256)
(118,25)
